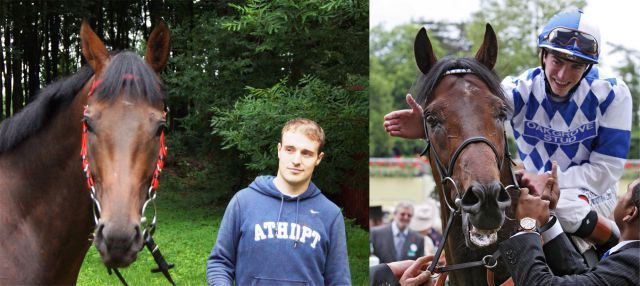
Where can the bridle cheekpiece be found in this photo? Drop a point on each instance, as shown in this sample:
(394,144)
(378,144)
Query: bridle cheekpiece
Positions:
(446,175)
(148,227)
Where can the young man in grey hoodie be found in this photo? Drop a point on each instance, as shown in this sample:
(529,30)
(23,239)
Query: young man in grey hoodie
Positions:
(282,230)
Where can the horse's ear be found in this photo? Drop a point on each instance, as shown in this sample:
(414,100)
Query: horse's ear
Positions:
(93,48)
(488,52)
(158,47)
(425,58)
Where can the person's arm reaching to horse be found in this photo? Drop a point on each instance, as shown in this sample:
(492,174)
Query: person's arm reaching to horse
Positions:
(222,260)
(405,123)
(405,273)
(566,259)
(526,261)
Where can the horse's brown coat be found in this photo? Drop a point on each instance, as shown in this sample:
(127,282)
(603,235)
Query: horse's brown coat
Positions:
(45,208)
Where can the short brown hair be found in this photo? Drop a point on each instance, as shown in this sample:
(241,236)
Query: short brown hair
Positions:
(635,195)
(309,127)
(568,57)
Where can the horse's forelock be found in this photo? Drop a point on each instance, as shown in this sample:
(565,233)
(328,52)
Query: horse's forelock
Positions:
(128,73)
(426,84)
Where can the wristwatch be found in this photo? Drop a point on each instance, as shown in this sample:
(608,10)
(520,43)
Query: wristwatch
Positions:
(527,224)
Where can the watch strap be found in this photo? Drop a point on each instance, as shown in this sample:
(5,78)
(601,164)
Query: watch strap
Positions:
(548,225)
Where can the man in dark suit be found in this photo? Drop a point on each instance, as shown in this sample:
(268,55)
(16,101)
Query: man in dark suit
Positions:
(396,241)
(620,266)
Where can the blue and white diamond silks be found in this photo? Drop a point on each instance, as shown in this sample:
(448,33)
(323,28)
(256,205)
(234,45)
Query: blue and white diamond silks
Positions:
(588,135)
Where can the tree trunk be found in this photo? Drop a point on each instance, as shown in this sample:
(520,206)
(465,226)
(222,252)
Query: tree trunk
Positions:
(45,17)
(54,34)
(66,45)
(18,54)
(2,72)
(32,54)
(8,68)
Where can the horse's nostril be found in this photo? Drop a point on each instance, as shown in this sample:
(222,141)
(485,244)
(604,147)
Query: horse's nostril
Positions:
(99,229)
(471,197)
(503,195)
(137,234)
(490,194)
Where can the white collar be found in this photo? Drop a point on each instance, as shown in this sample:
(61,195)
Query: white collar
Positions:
(395,229)
(620,245)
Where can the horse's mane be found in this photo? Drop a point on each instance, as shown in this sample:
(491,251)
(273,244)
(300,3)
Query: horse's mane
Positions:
(46,102)
(426,84)
(126,72)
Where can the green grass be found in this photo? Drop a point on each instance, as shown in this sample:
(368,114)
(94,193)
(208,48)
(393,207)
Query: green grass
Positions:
(186,231)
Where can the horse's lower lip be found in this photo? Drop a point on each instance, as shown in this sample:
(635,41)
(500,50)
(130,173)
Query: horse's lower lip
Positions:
(482,237)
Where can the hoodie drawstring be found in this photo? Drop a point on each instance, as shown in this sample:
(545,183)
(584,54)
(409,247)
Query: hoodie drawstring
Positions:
(280,211)
(295,244)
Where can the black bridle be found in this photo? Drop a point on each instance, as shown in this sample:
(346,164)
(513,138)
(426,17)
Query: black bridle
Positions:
(446,175)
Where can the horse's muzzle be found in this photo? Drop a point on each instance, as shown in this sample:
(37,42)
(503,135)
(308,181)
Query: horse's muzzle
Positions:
(118,243)
(484,205)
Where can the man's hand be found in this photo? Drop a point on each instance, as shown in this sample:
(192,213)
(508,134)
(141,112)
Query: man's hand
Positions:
(532,206)
(405,123)
(551,189)
(399,267)
(534,182)
(414,275)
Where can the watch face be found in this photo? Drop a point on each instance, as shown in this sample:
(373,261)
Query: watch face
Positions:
(528,223)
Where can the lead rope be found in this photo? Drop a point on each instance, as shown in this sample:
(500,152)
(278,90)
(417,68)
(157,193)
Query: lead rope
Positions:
(150,227)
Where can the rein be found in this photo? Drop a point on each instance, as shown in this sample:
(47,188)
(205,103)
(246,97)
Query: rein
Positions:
(149,227)
(455,208)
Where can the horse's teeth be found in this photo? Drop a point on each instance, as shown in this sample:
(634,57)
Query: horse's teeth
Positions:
(482,237)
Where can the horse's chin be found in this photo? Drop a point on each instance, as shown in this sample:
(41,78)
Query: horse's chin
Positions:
(475,237)
(118,260)
(117,249)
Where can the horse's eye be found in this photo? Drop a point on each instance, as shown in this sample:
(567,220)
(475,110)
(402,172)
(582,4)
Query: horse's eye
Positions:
(502,113)
(87,122)
(432,120)
(161,128)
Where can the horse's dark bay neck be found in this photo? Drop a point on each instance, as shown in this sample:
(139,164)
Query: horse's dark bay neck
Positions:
(465,109)
(44,207)
(46,218)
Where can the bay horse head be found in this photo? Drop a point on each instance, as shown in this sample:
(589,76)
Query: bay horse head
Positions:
(122,139)
(464,112)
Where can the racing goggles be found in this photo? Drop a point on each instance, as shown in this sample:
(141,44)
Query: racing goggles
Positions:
(563,37)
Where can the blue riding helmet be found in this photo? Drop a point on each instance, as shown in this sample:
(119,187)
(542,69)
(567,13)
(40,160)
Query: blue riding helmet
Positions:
(573,34)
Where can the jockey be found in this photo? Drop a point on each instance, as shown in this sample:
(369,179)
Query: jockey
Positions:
(564,111)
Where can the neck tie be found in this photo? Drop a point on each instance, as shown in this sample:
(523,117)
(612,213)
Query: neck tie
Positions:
(605,255)
(399,244)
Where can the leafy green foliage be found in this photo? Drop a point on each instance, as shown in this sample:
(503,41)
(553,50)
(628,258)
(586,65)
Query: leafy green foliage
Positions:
(324,38)
(253,126)
(629,72)
(310,52)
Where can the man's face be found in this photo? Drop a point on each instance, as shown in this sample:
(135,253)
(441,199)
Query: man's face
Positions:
(402,216)
(621,209)
(298,156)
(562,74)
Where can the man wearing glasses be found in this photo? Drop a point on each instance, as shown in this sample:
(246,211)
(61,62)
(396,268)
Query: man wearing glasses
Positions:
(564,111)
(395,241)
